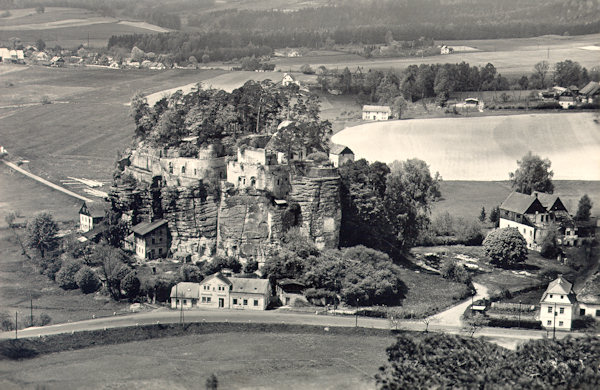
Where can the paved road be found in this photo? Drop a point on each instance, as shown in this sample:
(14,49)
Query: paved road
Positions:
(452,316)
(506,337)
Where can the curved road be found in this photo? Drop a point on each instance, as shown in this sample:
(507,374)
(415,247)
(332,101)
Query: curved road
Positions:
(452,316)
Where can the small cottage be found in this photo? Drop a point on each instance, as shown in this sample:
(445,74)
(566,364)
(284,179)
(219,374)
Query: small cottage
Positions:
(90,216)
(376,113)
(289,291)
(340,155)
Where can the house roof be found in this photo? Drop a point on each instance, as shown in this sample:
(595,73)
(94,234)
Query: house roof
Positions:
(252,286)
(590,292)
(219,276)
(144,228)
(185,290)
(95,210)
(340,149)
(95,232)
(377,108)
(550,201)
(591,88)
(519,203)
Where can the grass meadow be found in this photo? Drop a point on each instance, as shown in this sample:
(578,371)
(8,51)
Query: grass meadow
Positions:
(243,359)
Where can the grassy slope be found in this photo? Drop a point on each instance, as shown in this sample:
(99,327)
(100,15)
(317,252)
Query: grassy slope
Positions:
(484,148)
(239,360)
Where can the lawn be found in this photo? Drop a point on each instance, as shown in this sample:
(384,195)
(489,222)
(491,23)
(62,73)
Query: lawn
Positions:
(484,148)
(239,360)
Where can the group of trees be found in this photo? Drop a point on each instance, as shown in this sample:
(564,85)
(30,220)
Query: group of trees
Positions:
(358,275)
(449,361)
(219,116)
(383,207)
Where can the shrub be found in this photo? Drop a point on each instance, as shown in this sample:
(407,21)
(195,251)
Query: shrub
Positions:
(547,106)
(6,322)
(66,276)
(319,296)
(453,271)
(87,280)
(550,247)
(505,247)
(45,319)
(189,273)
(131,285)
(318,157)
(45,100)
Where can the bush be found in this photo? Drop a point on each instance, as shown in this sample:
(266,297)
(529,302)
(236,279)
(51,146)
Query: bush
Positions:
(45,100)
(453,271)
(547,106)
(87,280)
(45,319)
(6,322)
(131,285)
(505,247)
(49,266)
(550,248)
(319,296)
(512,323)
(189,273)
(66,276)
(318,157)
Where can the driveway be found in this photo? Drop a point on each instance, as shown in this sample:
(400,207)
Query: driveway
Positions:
(452,316)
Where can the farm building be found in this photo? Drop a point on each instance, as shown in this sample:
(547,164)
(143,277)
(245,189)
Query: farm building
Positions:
(533,215)
(376,113)
(11,56)
(558,304)
(288,79)
(57,62)
(151,239)
(444,49)
(590,93)
(340,155)
(220,291)
(588,298)
(89,216)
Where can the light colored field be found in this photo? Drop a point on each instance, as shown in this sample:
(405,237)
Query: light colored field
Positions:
(239,360)
(484,148)
(509,56)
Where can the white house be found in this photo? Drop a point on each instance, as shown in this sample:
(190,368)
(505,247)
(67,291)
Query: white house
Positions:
(185,295)
(558,305)
(220,291)
(588,298)
(288,79)
(90,216)
(151,239)
(444,49)
(534,215)
(340,155)
(376,113)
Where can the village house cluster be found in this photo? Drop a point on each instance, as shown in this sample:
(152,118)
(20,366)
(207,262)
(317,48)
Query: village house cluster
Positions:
(572,96)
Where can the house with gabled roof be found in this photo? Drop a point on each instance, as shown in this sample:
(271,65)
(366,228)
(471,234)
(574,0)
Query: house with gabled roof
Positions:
(590,93)
(588,298)
(558,305)
(151,239)
(340,155)
(90,216)
(376,113)
(225,292)
(535,215)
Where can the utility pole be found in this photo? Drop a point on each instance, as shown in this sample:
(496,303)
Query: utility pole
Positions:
(554,323)
(356,317)
(519,314)
(16,323)
(31,311)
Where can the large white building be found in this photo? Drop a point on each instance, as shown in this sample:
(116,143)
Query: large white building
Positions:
(376,113)
(558,305)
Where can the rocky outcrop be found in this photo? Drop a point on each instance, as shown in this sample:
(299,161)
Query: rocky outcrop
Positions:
(192,218)
(321,212)
(249,225)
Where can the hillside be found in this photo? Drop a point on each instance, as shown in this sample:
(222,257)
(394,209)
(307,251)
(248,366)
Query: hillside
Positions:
(484,148)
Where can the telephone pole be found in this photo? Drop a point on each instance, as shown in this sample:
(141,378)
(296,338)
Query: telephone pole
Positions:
(16,323)
(31,311)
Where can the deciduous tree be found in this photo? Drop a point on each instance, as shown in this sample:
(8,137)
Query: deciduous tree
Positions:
(584,208)
(505,247)
(533,174)
(41,233)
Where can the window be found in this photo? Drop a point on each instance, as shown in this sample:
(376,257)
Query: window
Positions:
(560,323)
(160,251)
(185,301)
(235,301)
(549,309)
(597,313)
(581,312)
(549,322)
(245,302)
(194,171)
(171,167)
(256,302)
(561,297)
(207,299)
(550,295)
(203,299)
(183,169)
(153,241)
(562,310)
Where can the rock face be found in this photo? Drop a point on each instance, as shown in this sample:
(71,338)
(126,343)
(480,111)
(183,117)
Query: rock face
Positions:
(321,212)
(249,225)
(192,218)
(245,220)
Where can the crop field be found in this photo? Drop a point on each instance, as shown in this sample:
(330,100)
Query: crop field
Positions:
(67,27)
(239,360)
(484,148)
(509,56)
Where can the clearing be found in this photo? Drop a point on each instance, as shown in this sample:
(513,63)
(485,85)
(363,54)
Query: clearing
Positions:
(484,148)
(239,360)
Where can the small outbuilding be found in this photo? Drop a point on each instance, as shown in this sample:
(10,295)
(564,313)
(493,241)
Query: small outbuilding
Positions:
(340,155)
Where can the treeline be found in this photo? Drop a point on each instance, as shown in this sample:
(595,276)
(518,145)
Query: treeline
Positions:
(438,81)
(408,20)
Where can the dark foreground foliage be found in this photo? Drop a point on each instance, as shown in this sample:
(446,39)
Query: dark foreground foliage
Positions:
(449,361)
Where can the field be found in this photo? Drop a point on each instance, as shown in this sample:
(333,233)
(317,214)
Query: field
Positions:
(67,27)
(239,360)
(484,148)
(509,56)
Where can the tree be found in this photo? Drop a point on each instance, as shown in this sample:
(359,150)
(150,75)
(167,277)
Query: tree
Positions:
(524,82)
(567,73)
(584,208)
(189,273)
(40,9)
(87,280)
(40,44)
(41,233)
(482,214)
(540,71)
(131,285)
(495,216)
(113,269)
(220,262)
(442,86)
(116,228)
(505,247)
(212,383)
(205,58)
(550,246)
(533,174)
(251,266)
(306,69)
(65,277)
(137,54)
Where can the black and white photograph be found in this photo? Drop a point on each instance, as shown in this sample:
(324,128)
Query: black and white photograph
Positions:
(299,194)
